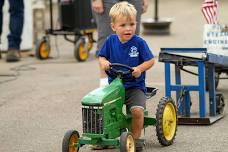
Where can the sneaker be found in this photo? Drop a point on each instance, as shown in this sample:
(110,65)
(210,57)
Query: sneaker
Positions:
(96,147)
(139,144)
(13,55)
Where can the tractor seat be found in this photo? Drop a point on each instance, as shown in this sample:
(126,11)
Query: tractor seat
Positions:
(150,92)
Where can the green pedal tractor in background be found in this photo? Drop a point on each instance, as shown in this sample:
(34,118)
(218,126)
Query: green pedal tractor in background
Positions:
(106,123)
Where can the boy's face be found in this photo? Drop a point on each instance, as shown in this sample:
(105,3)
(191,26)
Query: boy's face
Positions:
(124,28)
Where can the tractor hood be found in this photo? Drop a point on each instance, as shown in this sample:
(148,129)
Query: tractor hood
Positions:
(100,96)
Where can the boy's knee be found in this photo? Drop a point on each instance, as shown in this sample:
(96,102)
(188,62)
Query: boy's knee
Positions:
(137,112)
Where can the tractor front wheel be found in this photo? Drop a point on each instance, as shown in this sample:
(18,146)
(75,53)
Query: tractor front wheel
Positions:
(166,117)
(70,141)
(127,143)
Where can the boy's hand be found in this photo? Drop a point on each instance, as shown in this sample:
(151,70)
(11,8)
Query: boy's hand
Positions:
(97,6)
(105,64)
(137,72)
(145,5)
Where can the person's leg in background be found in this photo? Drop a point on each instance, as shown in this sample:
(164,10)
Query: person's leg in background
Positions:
(16,11)
(1,15)
(138,6)
(104,30)
(1,19)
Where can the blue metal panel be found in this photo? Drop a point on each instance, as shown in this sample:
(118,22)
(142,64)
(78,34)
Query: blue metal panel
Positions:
(187,104)
(184,50)
(201,80)
(212,91)
(167,80)
(185,87)
(217,59)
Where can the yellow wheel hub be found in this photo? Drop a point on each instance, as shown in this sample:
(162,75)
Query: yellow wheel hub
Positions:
(130,144)
(169,121)
(83,53)
(72,144)
(44,50)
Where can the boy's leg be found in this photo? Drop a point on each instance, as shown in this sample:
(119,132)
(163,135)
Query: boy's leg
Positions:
(137,121)
(1,15)
(104,30)
(135,101)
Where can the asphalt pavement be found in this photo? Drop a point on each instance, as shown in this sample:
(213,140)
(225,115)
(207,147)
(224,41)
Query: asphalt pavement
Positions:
(40,100)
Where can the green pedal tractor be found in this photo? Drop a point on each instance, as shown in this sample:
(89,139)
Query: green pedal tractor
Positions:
(106,123)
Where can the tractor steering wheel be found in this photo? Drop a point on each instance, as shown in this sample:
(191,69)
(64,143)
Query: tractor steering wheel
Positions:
(113,72)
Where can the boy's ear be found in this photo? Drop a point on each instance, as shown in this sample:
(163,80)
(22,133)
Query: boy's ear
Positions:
(113,27)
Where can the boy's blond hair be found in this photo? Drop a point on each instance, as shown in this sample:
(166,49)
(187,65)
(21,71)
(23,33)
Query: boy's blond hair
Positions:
(122,9)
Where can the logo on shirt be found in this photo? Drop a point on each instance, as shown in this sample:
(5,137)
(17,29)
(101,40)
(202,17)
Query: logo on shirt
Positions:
(134,52)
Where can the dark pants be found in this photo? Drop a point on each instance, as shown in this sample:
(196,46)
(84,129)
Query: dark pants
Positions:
(16,11)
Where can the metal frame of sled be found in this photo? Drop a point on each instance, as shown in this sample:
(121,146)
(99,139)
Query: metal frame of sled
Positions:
(199,58)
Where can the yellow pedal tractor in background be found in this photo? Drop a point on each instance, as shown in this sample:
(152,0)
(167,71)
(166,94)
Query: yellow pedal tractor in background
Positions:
(76,20)
(105,123)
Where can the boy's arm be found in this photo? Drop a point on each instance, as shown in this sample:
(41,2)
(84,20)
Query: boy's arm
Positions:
(143,67)
(104,63)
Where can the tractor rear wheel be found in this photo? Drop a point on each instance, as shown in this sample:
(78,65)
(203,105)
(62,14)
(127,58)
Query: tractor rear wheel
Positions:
(166,117)
(70,141)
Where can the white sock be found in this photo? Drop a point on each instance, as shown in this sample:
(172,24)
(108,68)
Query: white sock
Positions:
(103,82)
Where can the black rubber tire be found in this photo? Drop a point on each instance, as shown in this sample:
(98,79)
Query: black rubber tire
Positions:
(161,129)
(67,141)
(80,52)
(220,103)
(125,146)
(39,52)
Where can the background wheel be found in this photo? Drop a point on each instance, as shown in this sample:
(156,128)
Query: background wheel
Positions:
(81,50)
(43,49)
(70,140)
(166,117)
(127,143)
(220,103)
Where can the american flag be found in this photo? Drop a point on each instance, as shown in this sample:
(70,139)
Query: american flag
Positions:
(210,11)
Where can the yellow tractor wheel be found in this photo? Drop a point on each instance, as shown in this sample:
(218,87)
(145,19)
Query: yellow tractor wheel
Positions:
(70,141)
(127,143)
(166,117)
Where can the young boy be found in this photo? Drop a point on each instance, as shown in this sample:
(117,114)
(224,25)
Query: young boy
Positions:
(127,48)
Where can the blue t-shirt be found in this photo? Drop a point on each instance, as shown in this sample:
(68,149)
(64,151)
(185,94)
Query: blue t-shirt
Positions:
(131,53)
